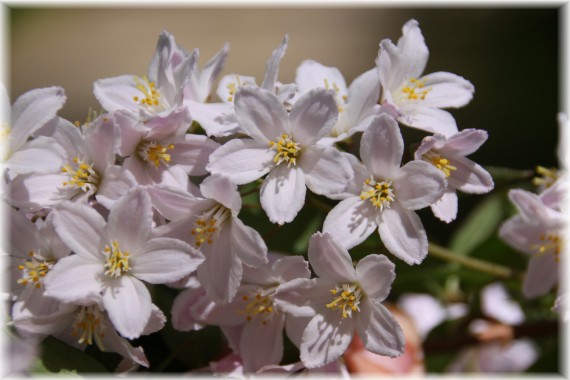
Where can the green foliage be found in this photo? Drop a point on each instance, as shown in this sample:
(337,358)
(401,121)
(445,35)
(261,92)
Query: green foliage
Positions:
(58,357)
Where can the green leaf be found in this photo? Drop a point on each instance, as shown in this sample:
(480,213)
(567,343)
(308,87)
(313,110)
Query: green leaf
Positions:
(59,357)
(479,226)
(508,175)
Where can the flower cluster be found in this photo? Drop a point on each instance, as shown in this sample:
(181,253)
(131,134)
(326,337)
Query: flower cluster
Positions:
(150,192)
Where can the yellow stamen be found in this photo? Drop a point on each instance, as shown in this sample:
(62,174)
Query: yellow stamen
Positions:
(347,301)
(414,85)
(150,97)
(381,194)
(287,150)
(81,176)
(34,270)
(546,176)
(155,154)
(117,260)
(439,162)
(89,326)
(208,225)
(261,305)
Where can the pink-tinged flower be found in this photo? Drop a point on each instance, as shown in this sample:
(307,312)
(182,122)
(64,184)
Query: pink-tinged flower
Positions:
(538,231)
(448,155)
(202,80)
(87,325)
(87,170)
(416,100)
(160,151)
(113,259)
(31,111)
(285,146)
(385,195)
(341,300)
(561,307)
(252,321)
(158,94)
(218,119)
(357,104)
(211,224)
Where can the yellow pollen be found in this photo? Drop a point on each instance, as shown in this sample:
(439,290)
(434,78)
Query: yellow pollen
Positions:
(347,301)
(89,326)
(549,243)
(155,154)
(439,162)
(287,150)
(34,269)
(545,176)
(208,225)
(260,305)
(381,194)
(81,175)
(117,260)
(410,89)
(150,94)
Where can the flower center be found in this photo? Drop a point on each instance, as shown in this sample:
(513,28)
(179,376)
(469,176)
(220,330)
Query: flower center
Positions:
(546,177)
(381,194)
(208,225)
(414,89)
(439,162)
(150,95)
(89,326)
(549,243)
(34,270)
(154,153)
(287,150)
(347,298)
(259,303)
(117,260)
(81,176)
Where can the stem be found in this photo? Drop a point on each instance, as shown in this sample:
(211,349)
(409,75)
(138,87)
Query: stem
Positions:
(472,263)
(248,192)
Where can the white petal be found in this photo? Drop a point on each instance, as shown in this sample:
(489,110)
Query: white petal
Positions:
(520,234)
(272,66)
(311,74)
(375,273)
(164,260)
(446,207)
(351,221)
(262,344)
(192,153)
(114,343)
(260,114)
(205,311)
(363,95)
(326,338)
(41,155)
(202,80)
(117,93)
(116,182)
(329,259)
(379,330)
(294,327)
(243,161)
(403,234)
(496,303)
(247,244)
(223,191)
(102,143)
(469,176)
(290,267)
(447,90)
(282,194)
(128,304)
(303,297)
(182,319)
(529,205)
(176,204)
(313,116)
(465,142)
(429,119)
(36,191)
(419,185)
(541,276)
(327,171)
(130,220)
(75,280)
(382,147)
(217,119)
(81,228)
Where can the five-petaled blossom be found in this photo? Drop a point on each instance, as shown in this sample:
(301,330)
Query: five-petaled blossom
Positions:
(448,155)
(413,99)
(285,146)
(114,258)
(340,300)
(385,195)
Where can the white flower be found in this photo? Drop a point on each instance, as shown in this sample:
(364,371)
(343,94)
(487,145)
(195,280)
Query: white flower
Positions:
(284,145)
(538,231)
(448,155)
(385,195)
(341,300)
(357,104)
(113,259)
(202,80)
(415,100)
(210,223)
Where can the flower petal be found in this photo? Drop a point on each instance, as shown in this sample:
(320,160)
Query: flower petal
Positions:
(223,191)
(329,259)
(419,185)
(541,276)
(272,66)
(363,95)
(128,304)
(217,119)
(164,260)
(41,155)
(75,279)
(445,209)
(303,297)
(311,74)
(202,80)
(379,330)
(313,116)
(351,221)
(262,343)
(130,220)
(428,119)
(260,114)
(116,182)
(117,93)
(247,244)
(191,152)
(403,234)
(469,176)
(241,160)
(382,147)
(375,274)
(447,90)
(465,142)
(182,319)
(317,163)
(283,193)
